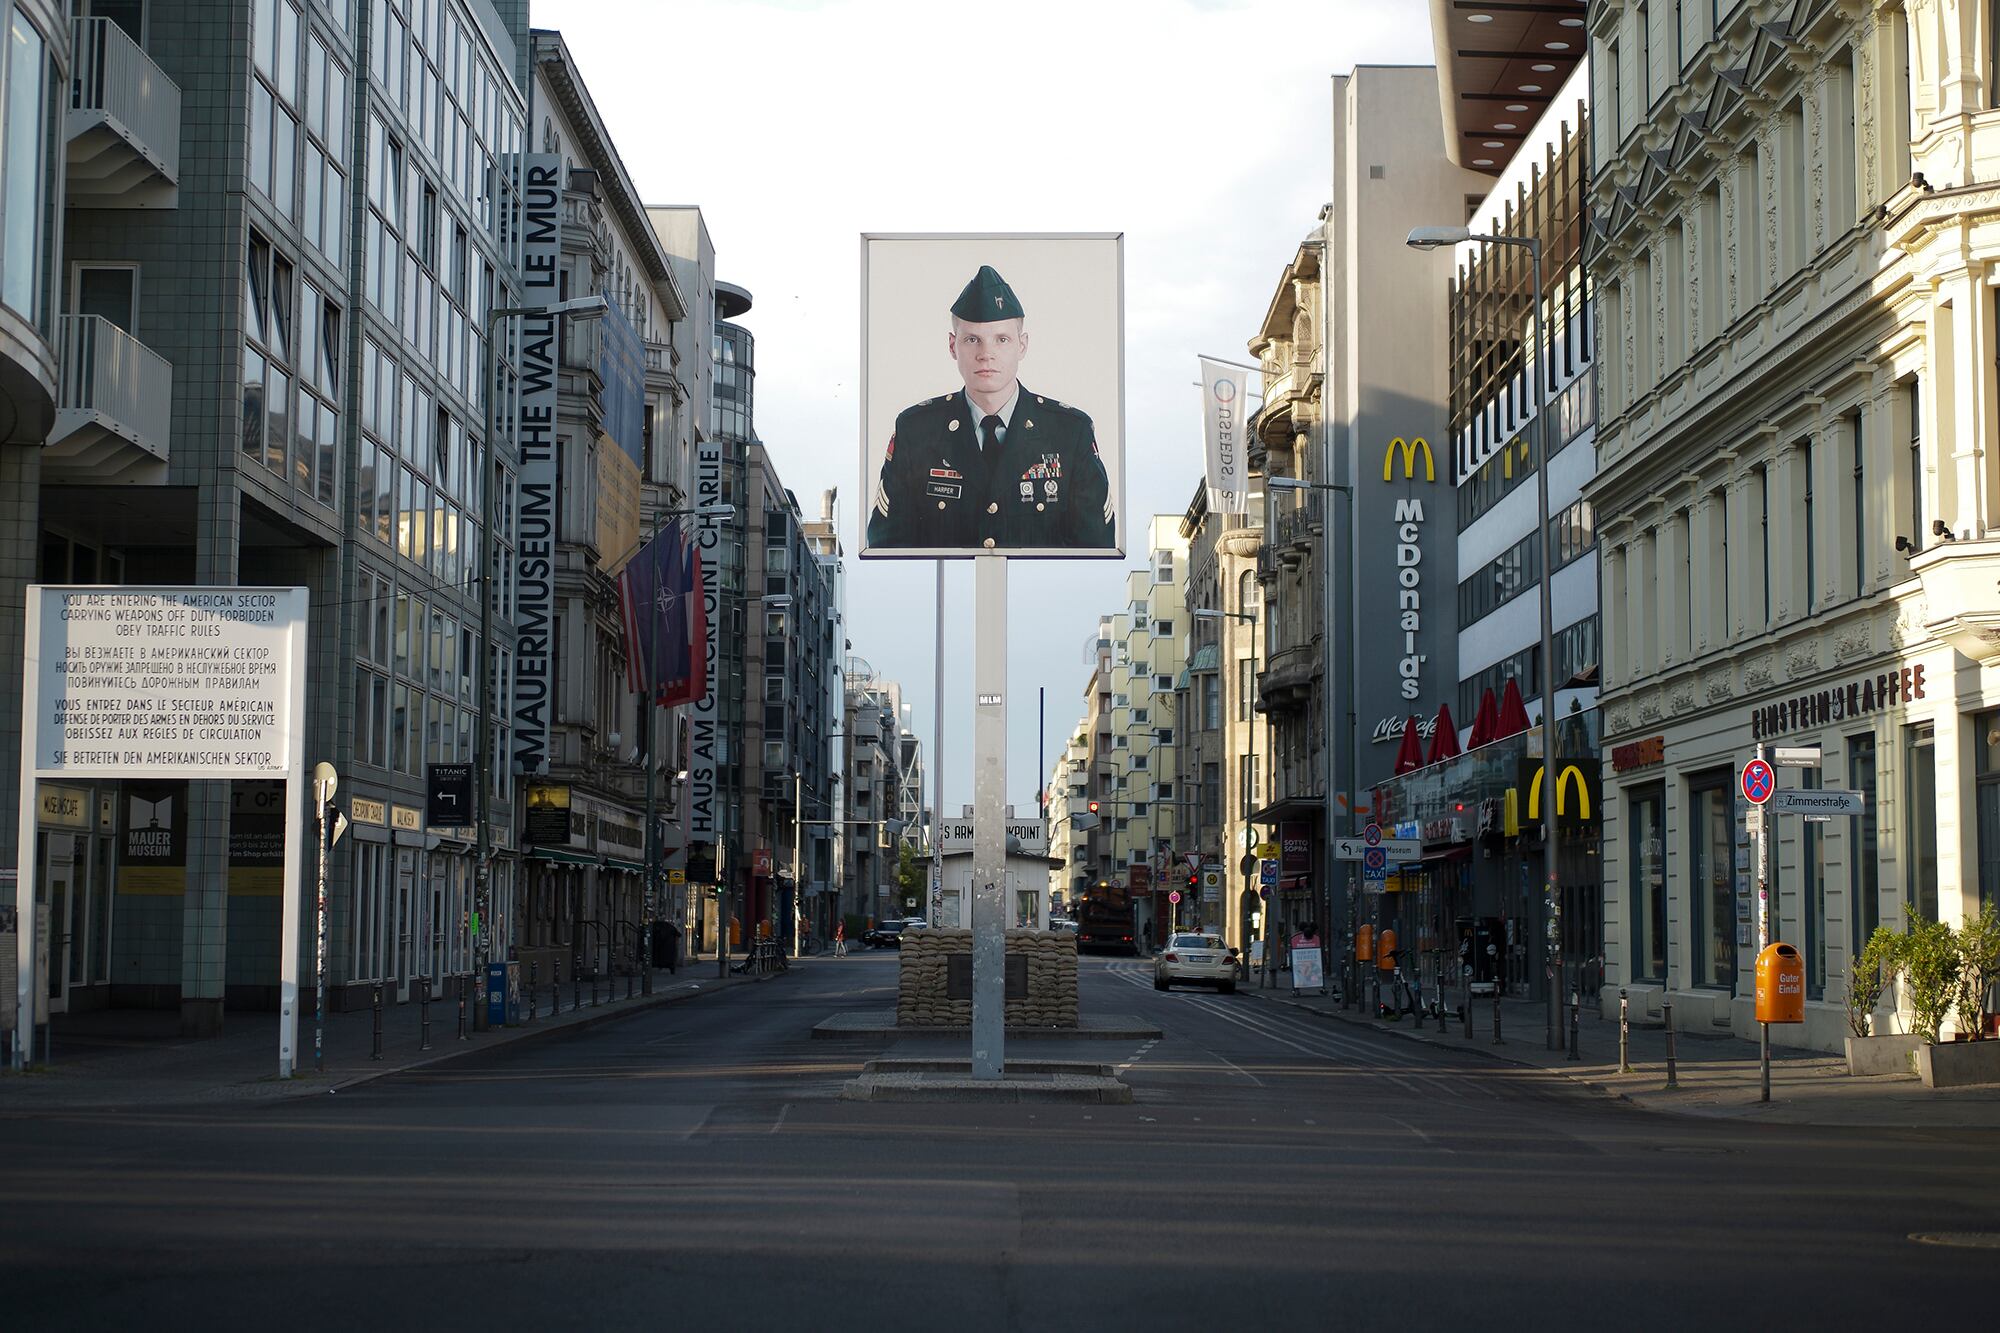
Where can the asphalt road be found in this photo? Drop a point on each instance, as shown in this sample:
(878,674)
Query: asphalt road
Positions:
(691,1166)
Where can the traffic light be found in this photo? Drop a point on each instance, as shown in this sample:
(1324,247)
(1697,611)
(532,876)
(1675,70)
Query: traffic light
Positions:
(1093,807)
(1194,879)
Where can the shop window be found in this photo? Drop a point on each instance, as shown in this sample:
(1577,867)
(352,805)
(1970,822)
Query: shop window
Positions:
(1920,821)
(1646,828)
(1712,878)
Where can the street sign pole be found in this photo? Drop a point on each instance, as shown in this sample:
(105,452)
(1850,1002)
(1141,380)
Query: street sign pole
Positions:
(1764,933)
(989,818)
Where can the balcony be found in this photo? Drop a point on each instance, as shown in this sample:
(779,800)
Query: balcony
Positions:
(1286,683)
(1958,578)
(124,131)
(114,403)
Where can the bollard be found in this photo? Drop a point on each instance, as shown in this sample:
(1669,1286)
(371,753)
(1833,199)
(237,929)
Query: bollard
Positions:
(555,987)
(595,1002)
(424,1015)
(575,984)
(531,991)
(462,988)
(376,1054)
(1496,1014)
(1667,1013)
(1624,1033)
(1575,1004)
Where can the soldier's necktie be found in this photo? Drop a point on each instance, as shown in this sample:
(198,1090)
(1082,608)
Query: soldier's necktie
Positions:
(989,434)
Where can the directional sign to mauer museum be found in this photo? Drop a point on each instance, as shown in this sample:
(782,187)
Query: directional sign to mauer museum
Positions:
(165,682)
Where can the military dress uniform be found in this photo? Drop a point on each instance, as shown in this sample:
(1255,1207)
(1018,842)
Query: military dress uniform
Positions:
(1041,486)
(1035,483)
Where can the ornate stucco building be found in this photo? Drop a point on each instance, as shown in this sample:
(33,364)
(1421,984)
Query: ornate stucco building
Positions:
(1797,490)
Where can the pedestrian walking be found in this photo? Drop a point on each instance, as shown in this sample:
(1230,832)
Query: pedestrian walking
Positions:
(840,938)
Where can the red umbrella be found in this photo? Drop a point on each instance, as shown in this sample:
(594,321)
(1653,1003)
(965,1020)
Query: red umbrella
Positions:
(1410,754)
(1444,744)
(1513,718)
(1485,721)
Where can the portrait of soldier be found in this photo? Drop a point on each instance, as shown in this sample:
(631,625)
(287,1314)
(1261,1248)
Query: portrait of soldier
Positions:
(992,465)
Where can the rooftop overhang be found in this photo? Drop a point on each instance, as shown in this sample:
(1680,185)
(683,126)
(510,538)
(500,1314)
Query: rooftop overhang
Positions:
(1499,67)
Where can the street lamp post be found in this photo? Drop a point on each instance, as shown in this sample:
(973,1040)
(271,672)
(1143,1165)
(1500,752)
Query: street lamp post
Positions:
(1429,238)
(1205,613)
(582,307)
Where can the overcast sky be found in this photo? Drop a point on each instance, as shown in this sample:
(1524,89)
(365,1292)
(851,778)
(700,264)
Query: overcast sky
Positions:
(1198,128)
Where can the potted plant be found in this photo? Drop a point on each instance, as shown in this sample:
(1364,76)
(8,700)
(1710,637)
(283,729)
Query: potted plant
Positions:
(1954,968)
(1867,1051)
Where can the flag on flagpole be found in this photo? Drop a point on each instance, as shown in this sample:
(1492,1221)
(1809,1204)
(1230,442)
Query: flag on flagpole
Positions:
(660,593)
(1224,403)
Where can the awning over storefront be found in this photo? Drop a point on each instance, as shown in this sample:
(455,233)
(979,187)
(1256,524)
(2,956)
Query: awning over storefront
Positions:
(629,867)
(561,857)
(1291,807)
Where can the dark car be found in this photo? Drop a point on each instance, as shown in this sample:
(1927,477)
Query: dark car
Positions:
(888,935)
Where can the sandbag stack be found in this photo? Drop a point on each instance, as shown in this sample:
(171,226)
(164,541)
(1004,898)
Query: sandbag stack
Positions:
(1051,1001)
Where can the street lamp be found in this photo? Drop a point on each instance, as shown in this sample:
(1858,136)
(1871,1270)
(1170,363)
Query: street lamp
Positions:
(1429,238)
(582,307)
(1208,613)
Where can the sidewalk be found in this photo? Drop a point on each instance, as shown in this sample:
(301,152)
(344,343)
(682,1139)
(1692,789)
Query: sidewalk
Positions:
(125,1058)
(1718,1076)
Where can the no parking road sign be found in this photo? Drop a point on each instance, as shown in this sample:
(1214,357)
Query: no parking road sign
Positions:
(1758,782)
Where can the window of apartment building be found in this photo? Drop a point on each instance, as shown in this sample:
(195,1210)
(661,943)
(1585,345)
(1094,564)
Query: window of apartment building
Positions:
(1858,503)
(1812,893)
(1712,878)
(1920,820)
(1142,717)
(1246,688)
(1211,793)
(1645,823)
(1163,566)
(1163,684)
(1749,229)
(1645,29)
(1802,458)
(1708,226)
(323,216)
(1614,68)
(289,346)
(1684,535)
(1646,373)
(1917,532)
(274,99)
(1163,791)
(1864,872)
(26,266)
(1986,746)
(1164,736)
(1761,479)
(1163,629)
(382,255)
(1842,203)
(1211,701)
(1120,742)
(1140,763)
(1247,783)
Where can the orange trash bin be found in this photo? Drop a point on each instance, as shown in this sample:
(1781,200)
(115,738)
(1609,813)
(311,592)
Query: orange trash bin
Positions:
(1364,944)
(1385,950)
(1781,985)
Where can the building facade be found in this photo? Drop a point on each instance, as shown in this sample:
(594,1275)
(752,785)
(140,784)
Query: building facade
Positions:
(586,846)
(1795,497)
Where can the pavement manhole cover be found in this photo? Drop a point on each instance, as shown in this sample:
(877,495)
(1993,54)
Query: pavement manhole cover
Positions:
(1959,1240)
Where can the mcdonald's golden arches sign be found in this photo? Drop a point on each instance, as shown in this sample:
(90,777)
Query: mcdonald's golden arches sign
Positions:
(1409,449)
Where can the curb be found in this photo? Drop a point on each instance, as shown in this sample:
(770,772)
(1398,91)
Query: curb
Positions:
(528,1035)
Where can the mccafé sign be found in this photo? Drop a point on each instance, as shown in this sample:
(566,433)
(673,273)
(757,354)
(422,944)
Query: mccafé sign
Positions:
(1855,699)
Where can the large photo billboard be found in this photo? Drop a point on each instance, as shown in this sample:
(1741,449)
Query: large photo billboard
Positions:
(993,395)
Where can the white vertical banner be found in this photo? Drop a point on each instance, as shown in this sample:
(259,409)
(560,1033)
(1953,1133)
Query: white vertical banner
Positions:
(539,528)
(1224,399)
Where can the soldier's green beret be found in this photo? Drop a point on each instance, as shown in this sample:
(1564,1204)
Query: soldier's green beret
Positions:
(987,298)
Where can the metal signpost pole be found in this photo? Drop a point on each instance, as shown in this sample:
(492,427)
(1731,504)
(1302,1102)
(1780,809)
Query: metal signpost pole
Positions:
(323,783)
(1763,930)
(989,817)
(935,915)
(798,813)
